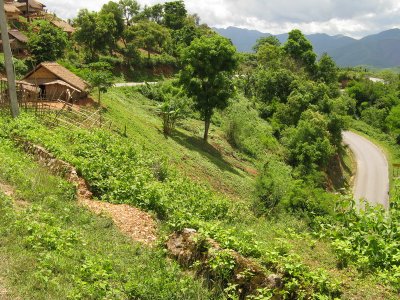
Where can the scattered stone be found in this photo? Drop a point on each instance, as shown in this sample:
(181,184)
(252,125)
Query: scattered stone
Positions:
(191,250)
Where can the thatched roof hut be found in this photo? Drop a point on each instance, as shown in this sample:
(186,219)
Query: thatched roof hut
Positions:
(64,26)
(12,12)
(57,82)
(34,7)
(18,40)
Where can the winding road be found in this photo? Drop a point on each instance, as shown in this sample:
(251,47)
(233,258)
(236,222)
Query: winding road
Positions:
(372,177)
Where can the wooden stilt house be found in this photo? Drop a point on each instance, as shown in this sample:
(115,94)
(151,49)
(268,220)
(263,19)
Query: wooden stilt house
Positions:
(57,83)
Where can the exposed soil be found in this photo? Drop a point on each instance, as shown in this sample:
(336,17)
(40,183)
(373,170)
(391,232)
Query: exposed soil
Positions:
(133,222)
(136,224)
(3,292)
(8,190)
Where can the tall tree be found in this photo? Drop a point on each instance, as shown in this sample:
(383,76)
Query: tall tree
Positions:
(96,32)
(175,14)
(208,65)
(268,40)
(114,9)
(153,13)
(46,42)
(327,69)
(148,35)
(130,9)
(301,50)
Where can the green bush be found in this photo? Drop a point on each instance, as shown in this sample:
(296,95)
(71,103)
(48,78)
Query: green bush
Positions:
(20,66)
(246,131)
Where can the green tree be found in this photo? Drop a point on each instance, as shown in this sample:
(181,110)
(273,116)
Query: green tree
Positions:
(46,42)
(149,36)
(96,32)
(268,40)
(175,14)
(112,10)
(269,56)
(153,13)
(301,50)
(100,77)
(393,122)
(309,146)
(208,65)
(327,70)
(130,10)
(272,84)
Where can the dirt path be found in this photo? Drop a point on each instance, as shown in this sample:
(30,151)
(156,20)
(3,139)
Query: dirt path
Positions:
(372,177)
(133,222)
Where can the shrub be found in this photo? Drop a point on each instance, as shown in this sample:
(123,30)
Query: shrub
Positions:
(246,131)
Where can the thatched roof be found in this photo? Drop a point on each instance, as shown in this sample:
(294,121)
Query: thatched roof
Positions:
(63,83)
(32,3)
(11,8)
(63,74)
(63,25)
(18,35)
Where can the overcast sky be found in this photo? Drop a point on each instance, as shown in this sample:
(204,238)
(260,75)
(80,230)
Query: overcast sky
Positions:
(355,18)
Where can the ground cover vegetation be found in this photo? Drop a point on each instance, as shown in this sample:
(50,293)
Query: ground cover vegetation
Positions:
(52,248)
(260,181)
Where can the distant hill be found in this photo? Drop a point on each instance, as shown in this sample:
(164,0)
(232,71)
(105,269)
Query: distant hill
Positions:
(379,50)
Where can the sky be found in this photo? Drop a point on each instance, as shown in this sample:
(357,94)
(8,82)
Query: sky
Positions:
(355,18)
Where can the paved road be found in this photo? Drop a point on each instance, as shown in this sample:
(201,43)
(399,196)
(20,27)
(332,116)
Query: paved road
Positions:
(132,84)
(372,177)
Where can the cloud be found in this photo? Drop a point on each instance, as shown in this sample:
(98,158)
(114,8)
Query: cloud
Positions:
(355,18)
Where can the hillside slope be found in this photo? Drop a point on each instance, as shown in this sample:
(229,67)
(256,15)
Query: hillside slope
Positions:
(218,200)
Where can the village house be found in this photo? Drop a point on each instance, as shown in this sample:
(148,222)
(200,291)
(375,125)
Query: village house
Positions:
(12,12)
(33,9)
(57,83)
(64,26)
(18,41)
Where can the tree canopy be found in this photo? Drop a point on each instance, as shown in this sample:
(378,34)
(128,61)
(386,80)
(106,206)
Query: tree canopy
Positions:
(46,42)
(208,65)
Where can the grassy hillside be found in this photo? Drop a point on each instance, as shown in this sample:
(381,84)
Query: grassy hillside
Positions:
(224,168)
(218,201)
(52,248)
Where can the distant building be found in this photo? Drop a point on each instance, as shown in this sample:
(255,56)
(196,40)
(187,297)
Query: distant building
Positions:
(64,26)
(18,41)
(33,9)
(57,83)
(12,12)
(376,80)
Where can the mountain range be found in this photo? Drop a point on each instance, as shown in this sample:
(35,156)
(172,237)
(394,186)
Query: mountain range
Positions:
(380,50)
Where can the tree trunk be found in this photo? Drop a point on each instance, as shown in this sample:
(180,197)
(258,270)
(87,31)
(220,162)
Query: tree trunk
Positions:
(207,123)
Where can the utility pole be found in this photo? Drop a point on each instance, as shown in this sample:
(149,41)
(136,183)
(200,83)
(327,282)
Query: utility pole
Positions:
(12,90)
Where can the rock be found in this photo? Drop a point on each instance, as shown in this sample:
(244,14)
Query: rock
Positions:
(188,248)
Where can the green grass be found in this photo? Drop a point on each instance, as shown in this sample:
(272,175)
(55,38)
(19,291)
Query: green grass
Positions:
(52,248)
(219,177)
(214,163)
